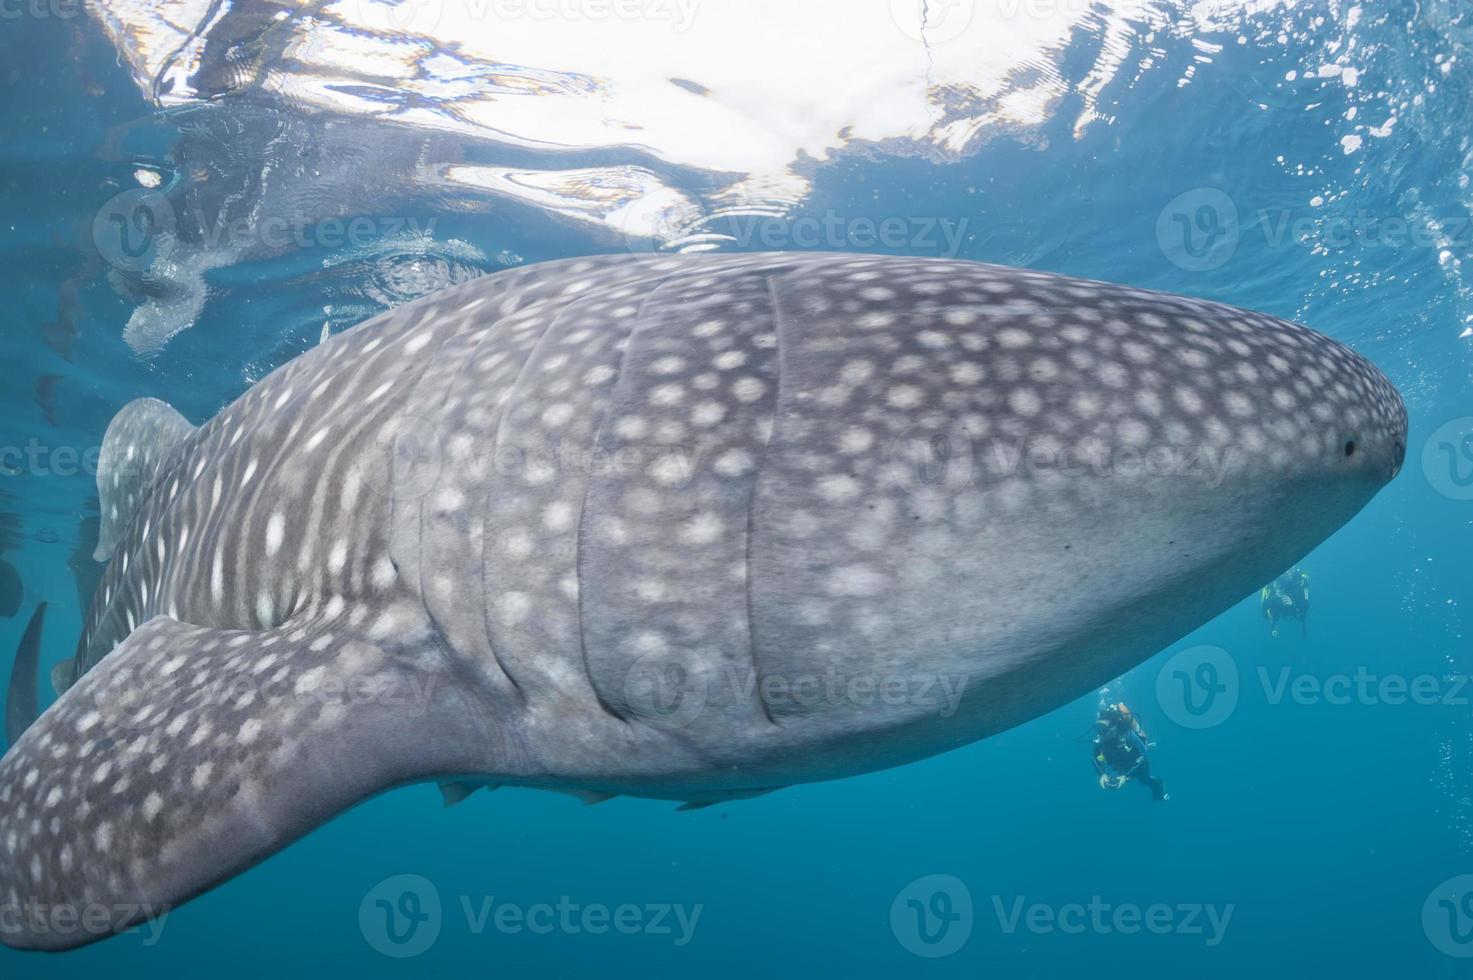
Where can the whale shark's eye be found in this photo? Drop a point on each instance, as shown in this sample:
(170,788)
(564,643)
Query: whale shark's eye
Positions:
(1350,448)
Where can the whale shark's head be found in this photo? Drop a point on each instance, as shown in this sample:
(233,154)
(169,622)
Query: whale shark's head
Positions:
(1023,485)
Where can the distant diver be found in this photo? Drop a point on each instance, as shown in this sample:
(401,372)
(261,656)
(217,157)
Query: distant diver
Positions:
(1120,748)
(1287,597)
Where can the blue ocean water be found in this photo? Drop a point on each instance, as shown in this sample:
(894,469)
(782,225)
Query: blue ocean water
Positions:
(1312,161)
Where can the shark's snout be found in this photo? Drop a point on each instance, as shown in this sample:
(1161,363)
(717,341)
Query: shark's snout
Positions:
(1390,437)
(1367,435)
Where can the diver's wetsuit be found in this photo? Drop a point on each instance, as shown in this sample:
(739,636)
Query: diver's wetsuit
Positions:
(1124,754)
(1287,598)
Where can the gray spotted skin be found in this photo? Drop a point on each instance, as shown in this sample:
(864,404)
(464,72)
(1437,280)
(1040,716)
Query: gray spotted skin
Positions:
(139,444)
(684,527)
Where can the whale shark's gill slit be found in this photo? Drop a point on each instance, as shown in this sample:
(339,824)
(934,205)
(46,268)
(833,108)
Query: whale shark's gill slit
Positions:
(777,407)
(435,393)
(595,440)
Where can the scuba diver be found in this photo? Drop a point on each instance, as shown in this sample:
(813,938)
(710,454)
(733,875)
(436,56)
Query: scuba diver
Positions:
(1287,597)
(1120,751)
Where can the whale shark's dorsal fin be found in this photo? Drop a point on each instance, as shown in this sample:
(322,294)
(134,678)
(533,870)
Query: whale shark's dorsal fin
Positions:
(140,440)
(216,748)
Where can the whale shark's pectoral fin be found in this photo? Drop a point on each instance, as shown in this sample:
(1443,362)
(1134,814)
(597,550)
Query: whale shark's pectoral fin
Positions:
(189,754)
(20,700)
(456,792)
(728,797)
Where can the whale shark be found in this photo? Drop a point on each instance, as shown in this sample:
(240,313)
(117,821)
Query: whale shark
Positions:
(685,527)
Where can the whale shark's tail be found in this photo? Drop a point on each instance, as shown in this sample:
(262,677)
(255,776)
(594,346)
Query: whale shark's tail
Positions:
(20,701)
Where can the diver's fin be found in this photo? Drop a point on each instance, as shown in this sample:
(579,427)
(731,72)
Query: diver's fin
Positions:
(139,443)
(20,701)
(63,675)
(189,754)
